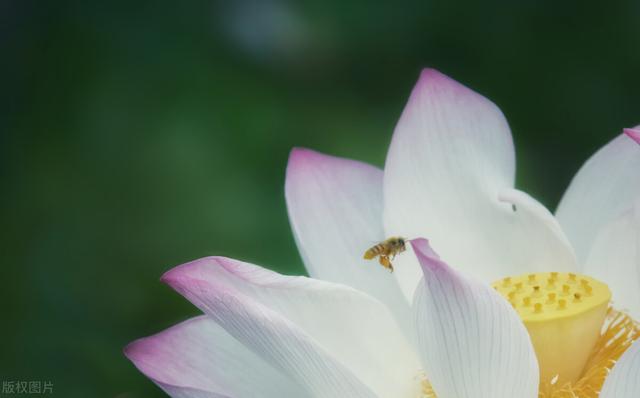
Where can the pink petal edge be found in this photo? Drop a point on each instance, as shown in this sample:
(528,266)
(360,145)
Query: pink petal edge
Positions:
(147,351)
(428,258)
(200,274)
(253,274)
(431,78)
(633,133)
(304,160)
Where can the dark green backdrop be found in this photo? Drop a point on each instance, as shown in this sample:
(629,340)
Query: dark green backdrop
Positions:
(137,135)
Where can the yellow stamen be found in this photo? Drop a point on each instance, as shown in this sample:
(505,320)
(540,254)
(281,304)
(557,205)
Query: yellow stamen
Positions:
(618,333)
(426,391)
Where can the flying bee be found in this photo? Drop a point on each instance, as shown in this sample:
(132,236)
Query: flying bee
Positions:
(385,249)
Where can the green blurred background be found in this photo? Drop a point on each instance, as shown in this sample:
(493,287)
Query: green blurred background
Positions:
(135,136)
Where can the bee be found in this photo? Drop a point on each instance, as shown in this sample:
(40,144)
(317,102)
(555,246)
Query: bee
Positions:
(385,249)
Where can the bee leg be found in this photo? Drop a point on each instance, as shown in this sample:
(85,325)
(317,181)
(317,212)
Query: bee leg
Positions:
(384,261)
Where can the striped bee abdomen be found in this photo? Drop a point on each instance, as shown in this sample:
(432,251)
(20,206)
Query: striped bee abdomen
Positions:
(374,251)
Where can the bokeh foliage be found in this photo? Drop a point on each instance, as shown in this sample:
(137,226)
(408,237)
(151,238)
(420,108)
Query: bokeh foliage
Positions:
(135,136)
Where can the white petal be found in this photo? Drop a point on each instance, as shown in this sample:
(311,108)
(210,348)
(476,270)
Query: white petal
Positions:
(472,343)
(450,160)
(615,259)
(407,272)
(197,358)
(350,330)
(335,210)
(624,379)
(186,392)
(534,241)
(605,187)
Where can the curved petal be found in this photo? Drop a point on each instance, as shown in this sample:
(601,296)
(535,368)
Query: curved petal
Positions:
(344,325)
(187,392)
(407,272)
(624,379)
(605,187)
(450,160)
(535,234)
(197,358)
(633,133)
(472,343)
(335,210)
(615,259)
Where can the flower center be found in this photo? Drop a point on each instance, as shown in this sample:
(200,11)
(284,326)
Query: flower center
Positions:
(577,336)
(564,314)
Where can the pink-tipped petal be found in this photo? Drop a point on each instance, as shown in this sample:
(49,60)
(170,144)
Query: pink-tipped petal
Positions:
(335,211)
(606,186)
(351,328)
(624,379)
(614,258)
(274,339)
(450,159)
(472,343)
(634,134)
(197,358)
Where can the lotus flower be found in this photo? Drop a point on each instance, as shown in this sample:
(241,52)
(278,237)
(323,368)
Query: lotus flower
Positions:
(523,310)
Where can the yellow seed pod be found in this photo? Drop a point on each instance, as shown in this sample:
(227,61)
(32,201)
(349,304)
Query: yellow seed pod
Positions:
(563,322)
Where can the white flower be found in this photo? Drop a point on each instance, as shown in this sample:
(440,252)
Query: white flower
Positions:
(355,330)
